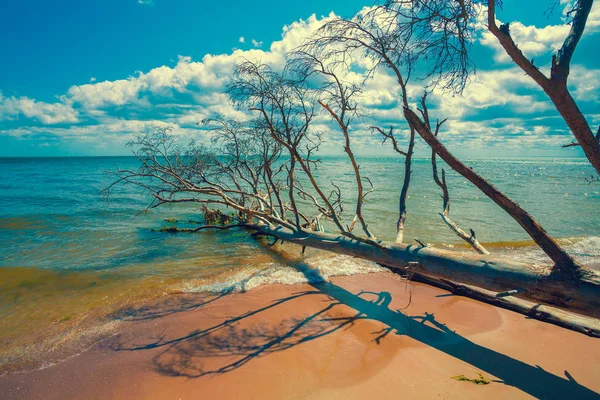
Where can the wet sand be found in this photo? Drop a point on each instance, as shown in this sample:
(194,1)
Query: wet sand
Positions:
(355,337)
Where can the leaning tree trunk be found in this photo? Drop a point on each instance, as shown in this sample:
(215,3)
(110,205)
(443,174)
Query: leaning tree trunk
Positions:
(556,85)
(579,293)
(568,109)
(402,209)
(563,261)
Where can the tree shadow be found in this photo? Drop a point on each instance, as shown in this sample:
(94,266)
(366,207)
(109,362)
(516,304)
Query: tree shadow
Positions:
(180,302)
(233,343)
(174,303)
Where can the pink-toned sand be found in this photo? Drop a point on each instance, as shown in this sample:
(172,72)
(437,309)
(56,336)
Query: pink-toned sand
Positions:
(343,339)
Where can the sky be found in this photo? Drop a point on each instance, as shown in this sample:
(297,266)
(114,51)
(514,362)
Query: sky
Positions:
(83,78)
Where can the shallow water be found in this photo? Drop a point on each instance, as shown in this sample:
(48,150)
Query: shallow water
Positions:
(70,259)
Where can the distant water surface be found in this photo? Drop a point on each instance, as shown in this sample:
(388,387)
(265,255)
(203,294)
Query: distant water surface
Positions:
(70,259)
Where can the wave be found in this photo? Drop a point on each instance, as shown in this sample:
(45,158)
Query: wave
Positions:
(312,270)
(586,249)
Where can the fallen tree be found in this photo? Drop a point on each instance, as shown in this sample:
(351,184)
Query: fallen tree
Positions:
(265,169)
(198,175)
(497,274)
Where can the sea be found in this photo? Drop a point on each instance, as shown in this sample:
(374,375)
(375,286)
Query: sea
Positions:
(72,259)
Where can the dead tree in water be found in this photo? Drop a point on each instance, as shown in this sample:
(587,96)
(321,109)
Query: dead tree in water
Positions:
(389,39)
(445,214)
(261,167)
(267,169)
(402,208)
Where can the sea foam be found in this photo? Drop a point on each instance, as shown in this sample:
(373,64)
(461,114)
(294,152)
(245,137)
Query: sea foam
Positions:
(311,270)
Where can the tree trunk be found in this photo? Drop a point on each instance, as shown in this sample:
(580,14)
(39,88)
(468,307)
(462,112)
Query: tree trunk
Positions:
(579,323)
(402,211)
(563,261)
(579,293)
(566,106)
(556,86)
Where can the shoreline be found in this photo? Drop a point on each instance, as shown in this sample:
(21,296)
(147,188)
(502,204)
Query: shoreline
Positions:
(347,337)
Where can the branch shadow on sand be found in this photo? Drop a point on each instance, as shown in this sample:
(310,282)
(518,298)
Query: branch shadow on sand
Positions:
(234,342)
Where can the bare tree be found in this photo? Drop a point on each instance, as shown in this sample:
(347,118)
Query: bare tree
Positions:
(337,99)
(390,38)
(407,154)
(555,85)
(260,167)
(471,239)
(266,168)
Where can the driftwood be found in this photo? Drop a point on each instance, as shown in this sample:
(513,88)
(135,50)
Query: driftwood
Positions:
(579,323)
(175,229)
(580,294)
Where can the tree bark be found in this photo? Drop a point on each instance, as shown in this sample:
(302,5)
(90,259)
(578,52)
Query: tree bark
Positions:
(563,261)
(580,294)
(579,323)
(568,109)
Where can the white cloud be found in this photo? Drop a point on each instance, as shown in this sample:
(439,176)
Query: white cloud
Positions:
(242,40)
(593,21)
(531,40)
(46,113)
(100,94)
(210,75)
(256,43)
(181,94)
(95,105)
(536,41)
(495,88)
(585,83)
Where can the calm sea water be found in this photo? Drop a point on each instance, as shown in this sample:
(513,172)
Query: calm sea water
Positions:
(70,259)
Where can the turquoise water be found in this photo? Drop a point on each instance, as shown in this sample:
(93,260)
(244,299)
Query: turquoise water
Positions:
(70,257)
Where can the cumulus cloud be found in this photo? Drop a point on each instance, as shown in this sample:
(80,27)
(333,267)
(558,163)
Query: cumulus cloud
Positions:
(531,40)
(183,93)
(46,113)
(96,105)
(496,88)
(100,94)
(585,83)
(536,41)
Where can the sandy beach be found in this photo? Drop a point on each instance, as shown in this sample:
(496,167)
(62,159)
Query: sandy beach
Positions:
(352,337)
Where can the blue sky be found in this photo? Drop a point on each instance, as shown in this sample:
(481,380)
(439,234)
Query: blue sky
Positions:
(80,78)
